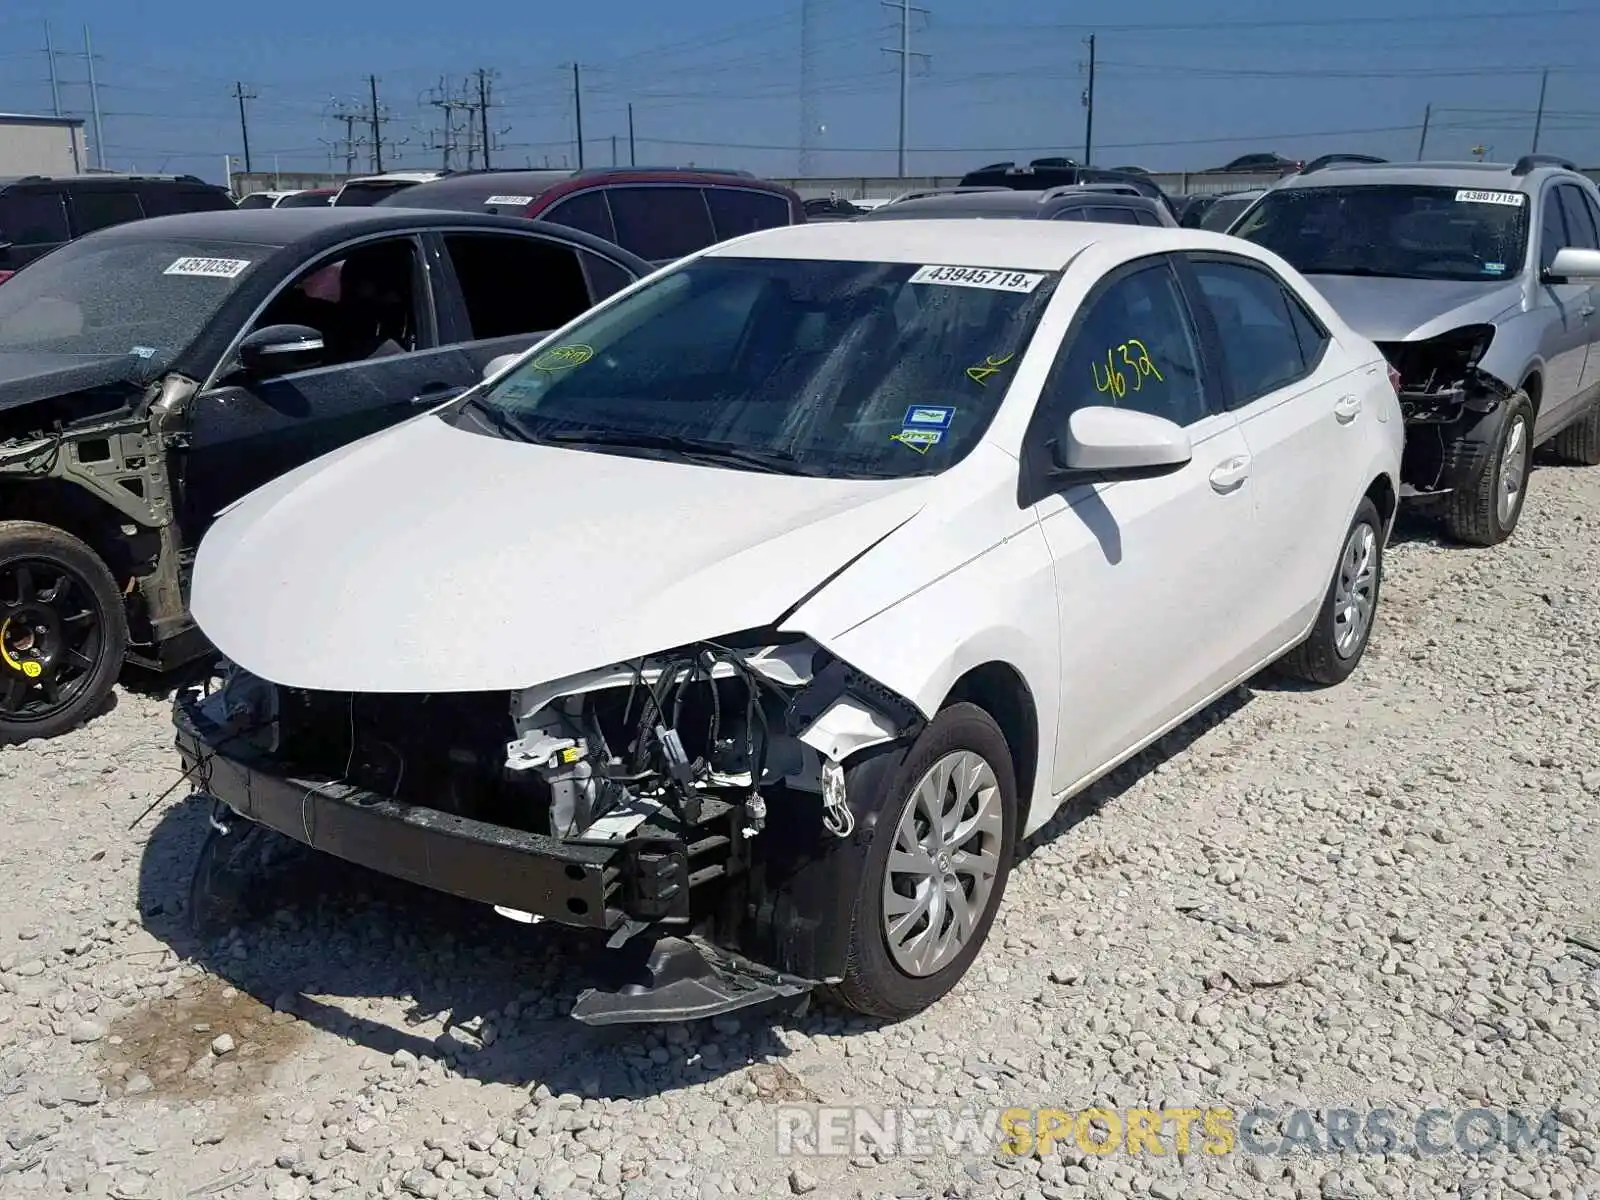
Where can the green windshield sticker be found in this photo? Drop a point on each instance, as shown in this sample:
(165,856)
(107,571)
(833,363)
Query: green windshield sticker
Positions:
(559,358)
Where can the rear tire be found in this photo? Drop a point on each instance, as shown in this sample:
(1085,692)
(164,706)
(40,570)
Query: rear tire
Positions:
(1349,610)
(1579,443)
(1484,511)
(63,631)
(961,760)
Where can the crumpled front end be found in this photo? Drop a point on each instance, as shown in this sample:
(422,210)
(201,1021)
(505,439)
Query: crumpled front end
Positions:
(690,806)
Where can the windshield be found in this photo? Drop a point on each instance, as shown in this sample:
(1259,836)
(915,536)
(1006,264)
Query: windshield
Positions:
(144,297)
(1225,212)
(256,200)
(307,200)
(1399,231)
(841,369)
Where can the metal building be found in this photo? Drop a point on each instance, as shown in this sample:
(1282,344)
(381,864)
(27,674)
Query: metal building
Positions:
(31,145)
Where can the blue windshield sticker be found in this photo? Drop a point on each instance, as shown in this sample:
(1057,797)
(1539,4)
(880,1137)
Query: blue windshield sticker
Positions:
(929,416)
(1495,268)
(920,440)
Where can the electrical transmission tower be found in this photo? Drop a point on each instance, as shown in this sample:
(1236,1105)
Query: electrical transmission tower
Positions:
(354,121)
(462,136)
(905,8)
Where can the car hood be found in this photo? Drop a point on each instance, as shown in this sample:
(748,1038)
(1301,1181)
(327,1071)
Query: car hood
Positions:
(434,559)
(27,376)
(1402,310)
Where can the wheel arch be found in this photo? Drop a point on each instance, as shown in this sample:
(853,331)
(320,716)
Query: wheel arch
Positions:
(1000,690)
(71,509)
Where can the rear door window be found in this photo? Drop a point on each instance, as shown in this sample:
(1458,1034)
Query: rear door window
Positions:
(605,277)
(661,222)
(95,208)
(513,284)
(585,210)
(741,210)
(32,218)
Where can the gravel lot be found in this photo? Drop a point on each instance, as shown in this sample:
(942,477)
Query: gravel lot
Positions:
(1357,897)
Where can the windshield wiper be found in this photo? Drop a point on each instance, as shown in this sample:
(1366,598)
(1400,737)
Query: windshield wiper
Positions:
(703,449)
(501,421)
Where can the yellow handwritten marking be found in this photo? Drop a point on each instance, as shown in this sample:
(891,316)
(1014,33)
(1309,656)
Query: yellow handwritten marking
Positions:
(980,374)
(559,358)
(1140,367)
(920,440)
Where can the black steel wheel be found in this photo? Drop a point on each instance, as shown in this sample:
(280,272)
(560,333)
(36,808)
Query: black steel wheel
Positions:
(63,631)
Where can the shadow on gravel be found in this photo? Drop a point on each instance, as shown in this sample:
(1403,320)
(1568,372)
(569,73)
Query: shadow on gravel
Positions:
(1089,802)
(381,962)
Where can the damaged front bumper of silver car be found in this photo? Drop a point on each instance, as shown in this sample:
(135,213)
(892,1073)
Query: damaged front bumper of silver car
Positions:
(691,808)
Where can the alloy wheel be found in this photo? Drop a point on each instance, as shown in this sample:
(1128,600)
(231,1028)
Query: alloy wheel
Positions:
(942,867)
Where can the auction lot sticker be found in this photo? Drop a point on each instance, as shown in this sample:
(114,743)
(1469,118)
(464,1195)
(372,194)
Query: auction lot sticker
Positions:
(993,279)
(209,268)
(1509,199)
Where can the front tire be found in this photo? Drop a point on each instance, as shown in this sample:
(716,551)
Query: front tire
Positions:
(63,631)
(1484,511)
(1344,622)
(936,869)
(1579,443)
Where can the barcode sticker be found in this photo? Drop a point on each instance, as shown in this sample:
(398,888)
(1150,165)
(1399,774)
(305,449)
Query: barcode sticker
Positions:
(209,268)
(1509,199)
(993,279)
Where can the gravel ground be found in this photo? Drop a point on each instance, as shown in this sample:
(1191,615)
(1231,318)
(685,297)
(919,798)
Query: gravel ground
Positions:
(1360,897)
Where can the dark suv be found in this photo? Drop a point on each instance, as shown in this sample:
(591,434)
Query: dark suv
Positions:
(1043,174)
(40,212)
(1103,203)
(660,214)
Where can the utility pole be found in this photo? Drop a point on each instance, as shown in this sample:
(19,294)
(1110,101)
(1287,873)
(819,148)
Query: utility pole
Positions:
(632,162)
(905,8)
(241,96)
(1088,108)
(448,105)
(377,133)
(577,111)
(55,83)
(94,103)
(1422,142)
(810,122)
(1538,117)
(483,113)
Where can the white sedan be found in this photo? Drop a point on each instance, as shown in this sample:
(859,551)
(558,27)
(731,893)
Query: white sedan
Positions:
(754,617)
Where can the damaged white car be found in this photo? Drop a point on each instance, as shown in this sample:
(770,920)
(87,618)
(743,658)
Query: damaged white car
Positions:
(753,618)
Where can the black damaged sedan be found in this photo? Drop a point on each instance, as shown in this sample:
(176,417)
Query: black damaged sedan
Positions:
(154,372)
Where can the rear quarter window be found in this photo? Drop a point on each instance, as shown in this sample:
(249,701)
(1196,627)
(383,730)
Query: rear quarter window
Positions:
(164,201)
(736,211)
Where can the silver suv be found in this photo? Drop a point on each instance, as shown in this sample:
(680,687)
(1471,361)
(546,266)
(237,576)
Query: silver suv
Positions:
(1479,282)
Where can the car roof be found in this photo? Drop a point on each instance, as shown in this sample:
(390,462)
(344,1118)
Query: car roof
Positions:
(1009,203)
(326,225)
(1011,245)
(1471,174)
(396,177)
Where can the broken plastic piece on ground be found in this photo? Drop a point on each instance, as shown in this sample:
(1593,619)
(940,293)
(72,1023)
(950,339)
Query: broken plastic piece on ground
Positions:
(516,914)
(678,979)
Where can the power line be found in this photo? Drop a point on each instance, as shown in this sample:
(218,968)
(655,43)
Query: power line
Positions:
(1542,14)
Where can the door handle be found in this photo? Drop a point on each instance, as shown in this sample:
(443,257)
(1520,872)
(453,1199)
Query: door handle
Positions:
(1586,311)
(1229,475)
(1347,409)
(436,393)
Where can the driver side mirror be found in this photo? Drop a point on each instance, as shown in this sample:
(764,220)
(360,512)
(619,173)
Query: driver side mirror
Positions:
(497,364)
(1575,265)
(281,349)
(1119,443)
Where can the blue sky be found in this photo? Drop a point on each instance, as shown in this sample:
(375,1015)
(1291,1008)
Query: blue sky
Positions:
(718,82)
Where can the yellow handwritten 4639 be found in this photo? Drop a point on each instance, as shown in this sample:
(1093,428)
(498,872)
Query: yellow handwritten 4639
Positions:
(1136,358)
